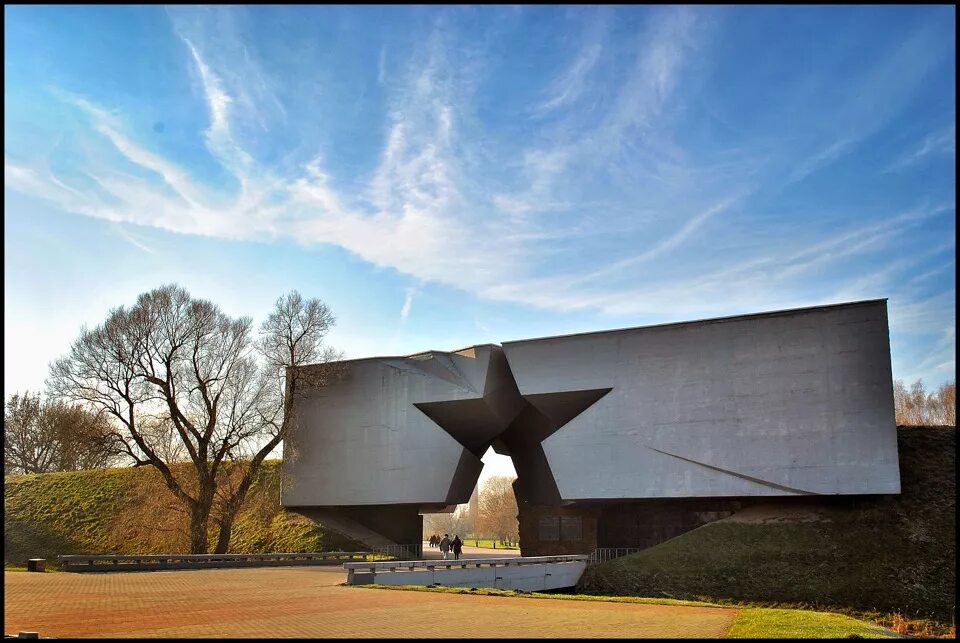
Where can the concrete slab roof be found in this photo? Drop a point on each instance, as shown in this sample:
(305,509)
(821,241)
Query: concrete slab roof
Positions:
(459,351)
(711,320)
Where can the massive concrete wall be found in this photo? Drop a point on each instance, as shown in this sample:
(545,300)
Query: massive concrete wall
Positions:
(791,403)
(798,402)
(399,430)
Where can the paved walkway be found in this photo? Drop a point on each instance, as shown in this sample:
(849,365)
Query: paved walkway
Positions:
(430,553)
(309,602)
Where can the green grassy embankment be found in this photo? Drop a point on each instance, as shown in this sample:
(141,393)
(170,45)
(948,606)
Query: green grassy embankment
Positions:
(487,542)
(889,554)
(130,511)
(763,623)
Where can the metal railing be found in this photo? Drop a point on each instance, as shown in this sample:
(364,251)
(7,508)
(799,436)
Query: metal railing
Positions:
(604,554)
(463,563)
(82,563)
(401,551)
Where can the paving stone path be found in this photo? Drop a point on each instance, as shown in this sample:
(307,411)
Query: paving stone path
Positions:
(432,553)
(310,602)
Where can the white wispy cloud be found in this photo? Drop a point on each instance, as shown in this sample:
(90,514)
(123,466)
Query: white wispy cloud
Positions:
(925,317)
(890,280)
(220,140)
(382,66)
(665,245)
(568,87)
(931,273)
(821,159)
(218,33)
(131,238)
(871,100)
(541,168)
(106,124)
(662,50)
(407,303)
(940,142)
(863,239)
(429,209)
(760,282)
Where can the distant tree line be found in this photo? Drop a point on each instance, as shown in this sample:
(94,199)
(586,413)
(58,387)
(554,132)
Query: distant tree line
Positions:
(916,407)
(41,436)
(496,518)
(457,521)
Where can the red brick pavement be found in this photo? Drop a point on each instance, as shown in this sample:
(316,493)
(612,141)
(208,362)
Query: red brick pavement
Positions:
(310,602)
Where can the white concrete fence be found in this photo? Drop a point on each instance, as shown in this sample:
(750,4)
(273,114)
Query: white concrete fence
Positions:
(528,574)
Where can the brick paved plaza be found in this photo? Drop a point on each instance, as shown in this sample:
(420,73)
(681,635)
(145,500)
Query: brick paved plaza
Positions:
(310,602)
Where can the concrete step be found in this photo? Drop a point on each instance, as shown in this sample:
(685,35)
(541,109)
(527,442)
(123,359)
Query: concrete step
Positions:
(345,526)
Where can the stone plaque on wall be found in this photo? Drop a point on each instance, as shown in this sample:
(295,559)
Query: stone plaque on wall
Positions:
(571,528)
(550,528)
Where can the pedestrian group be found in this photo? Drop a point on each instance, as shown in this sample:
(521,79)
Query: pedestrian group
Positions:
(448,547)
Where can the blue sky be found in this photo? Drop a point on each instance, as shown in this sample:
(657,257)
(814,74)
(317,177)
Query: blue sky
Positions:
(449,176)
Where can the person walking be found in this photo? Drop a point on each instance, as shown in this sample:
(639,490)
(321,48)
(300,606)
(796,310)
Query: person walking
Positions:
(445,545)
(433,540)
(456,546)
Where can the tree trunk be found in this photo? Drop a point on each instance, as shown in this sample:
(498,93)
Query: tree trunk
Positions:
(226,527)
(198,531)
(230,508)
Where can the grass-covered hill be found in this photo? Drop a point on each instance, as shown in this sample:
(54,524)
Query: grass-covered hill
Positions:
(130,511)
(883,553)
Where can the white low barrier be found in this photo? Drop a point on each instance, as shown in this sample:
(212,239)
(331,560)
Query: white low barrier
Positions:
(528,574)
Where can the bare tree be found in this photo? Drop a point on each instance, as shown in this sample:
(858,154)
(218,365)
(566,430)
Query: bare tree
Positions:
(915,407)
(943,405)
(161,434)
(498,509)
(451,523)
(43,436)
(179,375)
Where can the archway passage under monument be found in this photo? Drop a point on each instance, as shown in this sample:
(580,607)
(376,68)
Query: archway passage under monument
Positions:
(498,477)
(489,515)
